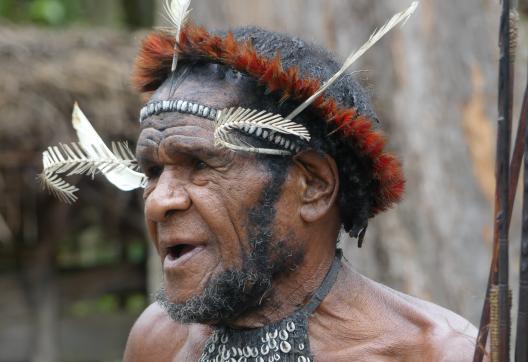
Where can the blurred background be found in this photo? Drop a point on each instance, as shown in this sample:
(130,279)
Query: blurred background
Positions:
(74,278)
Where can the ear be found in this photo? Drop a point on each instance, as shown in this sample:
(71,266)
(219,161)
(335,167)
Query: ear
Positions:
(319,184)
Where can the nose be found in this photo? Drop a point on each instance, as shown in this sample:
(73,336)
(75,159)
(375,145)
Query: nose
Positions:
(169,195)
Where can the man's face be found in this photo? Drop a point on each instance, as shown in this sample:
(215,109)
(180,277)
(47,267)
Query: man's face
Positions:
(209,211)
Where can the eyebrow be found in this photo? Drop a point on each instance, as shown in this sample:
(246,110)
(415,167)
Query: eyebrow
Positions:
(191,145)
(177,144)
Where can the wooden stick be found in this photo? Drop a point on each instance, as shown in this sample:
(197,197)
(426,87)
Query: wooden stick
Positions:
(502,176)
(515,167)
(498,277)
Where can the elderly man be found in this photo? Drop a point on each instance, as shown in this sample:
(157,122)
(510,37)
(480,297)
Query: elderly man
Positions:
(247,234)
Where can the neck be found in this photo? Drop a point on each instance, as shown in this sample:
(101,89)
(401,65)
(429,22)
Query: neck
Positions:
(292,290)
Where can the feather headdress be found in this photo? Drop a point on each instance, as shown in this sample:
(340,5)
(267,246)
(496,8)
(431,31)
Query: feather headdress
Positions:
(263,124)
(89,156)
(158,59)
(285,134)
(152,67)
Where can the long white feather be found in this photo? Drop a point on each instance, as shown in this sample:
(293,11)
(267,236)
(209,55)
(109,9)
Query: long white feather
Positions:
(123,178)
(177,12)
(401,17)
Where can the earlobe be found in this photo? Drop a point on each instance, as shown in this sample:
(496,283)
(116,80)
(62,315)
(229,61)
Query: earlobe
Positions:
(319,184)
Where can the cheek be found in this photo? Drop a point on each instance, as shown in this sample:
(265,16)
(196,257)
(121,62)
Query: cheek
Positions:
(288,224)
(224,208)
(222,222)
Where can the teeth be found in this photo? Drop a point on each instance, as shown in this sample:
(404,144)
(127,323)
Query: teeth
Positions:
(157,109)
(179,105)
(265,134)
(259,132)
(184,106)
(245,128)
(287,144)
(212,114)
(205,111)
(200,110)
(283,140)
(277,140)
(173,105)
(195,108)
(150,110)
(252,129)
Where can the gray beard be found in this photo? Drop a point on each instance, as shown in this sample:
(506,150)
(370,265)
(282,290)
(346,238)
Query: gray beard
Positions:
(233,293)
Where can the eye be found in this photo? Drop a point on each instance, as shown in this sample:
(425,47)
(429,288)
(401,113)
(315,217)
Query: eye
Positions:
(153,172)
(200,165)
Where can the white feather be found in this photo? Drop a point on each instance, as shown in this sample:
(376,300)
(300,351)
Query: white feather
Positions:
(177,13)
(123,178)
(401,17)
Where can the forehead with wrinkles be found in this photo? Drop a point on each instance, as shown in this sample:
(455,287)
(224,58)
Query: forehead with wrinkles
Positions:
(178,134)
(188,130)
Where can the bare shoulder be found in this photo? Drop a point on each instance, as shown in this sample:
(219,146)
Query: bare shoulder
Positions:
(442,334)
(373,322)
(155,337)
(149,337)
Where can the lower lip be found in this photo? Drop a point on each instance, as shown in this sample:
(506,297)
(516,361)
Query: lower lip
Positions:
(172,263)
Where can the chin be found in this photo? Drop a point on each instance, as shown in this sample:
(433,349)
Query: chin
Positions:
(180,289)
(187,276)
(224,297)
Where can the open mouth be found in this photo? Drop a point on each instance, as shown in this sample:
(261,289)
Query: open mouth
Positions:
(177,251)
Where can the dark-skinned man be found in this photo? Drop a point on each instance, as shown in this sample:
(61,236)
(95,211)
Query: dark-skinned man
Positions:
(246,222)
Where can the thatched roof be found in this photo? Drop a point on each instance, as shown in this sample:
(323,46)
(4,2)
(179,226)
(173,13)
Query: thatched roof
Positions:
(42,73)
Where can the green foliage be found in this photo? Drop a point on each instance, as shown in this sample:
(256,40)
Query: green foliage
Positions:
(51,12)
(43,12)
(58,13)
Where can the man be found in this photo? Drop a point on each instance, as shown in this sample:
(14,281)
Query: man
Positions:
(247,234)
